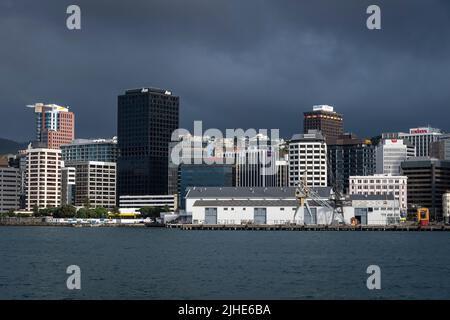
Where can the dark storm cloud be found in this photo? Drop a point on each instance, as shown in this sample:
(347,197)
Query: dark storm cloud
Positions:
(249,63)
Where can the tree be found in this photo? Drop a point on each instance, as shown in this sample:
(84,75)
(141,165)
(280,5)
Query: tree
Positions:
(48,212)
(99,213)
(87,203)
(115,210)
(82,213)
(67,211)
(9,213)
(36,210)
(151,212)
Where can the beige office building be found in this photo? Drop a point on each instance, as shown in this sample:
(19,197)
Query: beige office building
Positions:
(43,178)
(95,182)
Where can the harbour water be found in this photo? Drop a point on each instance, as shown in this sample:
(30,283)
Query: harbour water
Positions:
(156,263)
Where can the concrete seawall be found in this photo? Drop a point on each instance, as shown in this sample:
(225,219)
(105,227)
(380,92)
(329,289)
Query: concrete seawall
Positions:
(36,222)
(31,221)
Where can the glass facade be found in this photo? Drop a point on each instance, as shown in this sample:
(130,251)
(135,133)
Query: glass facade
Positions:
(349,157)
(146,119)
(90,150)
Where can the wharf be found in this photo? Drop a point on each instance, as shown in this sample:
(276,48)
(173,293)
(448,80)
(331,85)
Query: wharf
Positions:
(41,222)
(253,227)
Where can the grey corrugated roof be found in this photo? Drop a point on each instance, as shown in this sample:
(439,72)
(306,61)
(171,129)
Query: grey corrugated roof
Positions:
(372,197)
(254,203)
(245,192)
(313,136)
(245,203)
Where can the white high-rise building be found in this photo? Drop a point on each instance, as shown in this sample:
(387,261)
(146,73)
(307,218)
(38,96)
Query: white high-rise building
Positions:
(308,159)
(421,138)
(381,184)
(43,178)
(257,167)
(10,182)
(390,153)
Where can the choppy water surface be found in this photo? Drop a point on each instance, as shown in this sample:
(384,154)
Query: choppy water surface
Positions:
(152,263)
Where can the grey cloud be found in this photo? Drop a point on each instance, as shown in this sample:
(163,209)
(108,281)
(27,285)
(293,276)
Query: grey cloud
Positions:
(234,63)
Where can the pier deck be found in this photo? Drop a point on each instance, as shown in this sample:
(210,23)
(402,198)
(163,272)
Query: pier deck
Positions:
(250,227)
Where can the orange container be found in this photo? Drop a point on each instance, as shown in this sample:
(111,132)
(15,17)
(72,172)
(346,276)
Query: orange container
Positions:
(423,216)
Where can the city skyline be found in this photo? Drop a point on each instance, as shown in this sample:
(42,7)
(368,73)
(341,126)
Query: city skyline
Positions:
(261,153)
(266,62)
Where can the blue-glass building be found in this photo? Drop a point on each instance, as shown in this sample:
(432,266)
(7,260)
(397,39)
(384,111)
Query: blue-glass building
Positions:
(204,175)
(82,150)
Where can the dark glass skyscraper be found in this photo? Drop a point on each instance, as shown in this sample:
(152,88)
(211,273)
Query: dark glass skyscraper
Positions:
(349,156)
(428,180)
(146,119)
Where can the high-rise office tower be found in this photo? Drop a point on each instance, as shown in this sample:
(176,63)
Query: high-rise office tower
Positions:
(308,159)
(440,149)
(261,168)
(421,138)
(390,153)
(55,125)
(324,119)
(9,188)
(349,156)
(428,180)
(146,119)
(90,150)
(261,162)
(95,183)
(43,178)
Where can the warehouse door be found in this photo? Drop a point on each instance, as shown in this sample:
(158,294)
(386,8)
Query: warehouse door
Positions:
(210,215)
(310,218)
(361,215)
(260,216)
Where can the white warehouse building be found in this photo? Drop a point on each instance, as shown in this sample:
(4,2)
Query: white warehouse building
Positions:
(240,205)
(275,206)
(376,209)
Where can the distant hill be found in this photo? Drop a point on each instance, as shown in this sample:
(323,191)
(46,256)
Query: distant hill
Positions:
(9,146)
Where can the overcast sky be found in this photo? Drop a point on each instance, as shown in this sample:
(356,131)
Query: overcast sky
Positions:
(234,63)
